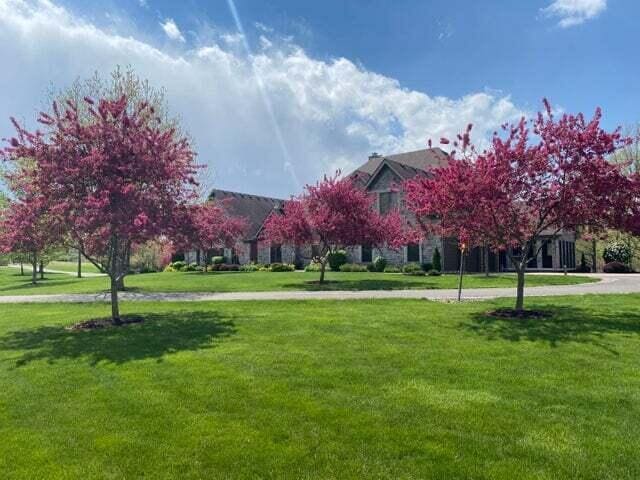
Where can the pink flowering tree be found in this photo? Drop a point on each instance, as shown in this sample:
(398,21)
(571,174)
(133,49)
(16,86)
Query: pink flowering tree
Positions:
(27,229)
(525,187)
(334,214)
(118,179)
(212,227)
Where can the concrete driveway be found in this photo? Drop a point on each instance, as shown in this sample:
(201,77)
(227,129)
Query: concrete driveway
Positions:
(609,283)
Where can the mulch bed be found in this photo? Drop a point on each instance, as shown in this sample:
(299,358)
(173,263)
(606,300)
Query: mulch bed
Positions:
(99,323)
(521,314)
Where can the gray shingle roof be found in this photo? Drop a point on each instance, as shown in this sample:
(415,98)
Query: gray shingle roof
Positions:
(424,160)
(253,208)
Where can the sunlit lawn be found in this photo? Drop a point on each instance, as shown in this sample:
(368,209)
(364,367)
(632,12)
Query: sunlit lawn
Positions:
(346,389)
(72,267)
(12,283)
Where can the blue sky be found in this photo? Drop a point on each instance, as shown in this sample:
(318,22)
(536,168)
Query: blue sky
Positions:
(325,83)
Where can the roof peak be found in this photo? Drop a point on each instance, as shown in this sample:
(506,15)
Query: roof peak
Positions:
(229,193)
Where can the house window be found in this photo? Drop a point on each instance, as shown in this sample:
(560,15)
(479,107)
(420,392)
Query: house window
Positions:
(413,252)
(366,254)
(387,201)
(567,254)
(276,253)
(253,251)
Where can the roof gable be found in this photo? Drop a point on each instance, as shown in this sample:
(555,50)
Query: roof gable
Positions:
(404,165)
(253,208)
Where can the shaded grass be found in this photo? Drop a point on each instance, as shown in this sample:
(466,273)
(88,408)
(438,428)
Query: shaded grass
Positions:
(345,389)
(12,283)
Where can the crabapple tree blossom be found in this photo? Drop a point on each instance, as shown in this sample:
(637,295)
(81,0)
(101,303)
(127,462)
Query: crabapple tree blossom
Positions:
(334,214)
(111,182)
(541,177)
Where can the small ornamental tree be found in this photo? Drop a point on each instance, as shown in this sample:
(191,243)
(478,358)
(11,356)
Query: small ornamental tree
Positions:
(27,230)
(212,227)
(525,187)
(111,182)
(334,214)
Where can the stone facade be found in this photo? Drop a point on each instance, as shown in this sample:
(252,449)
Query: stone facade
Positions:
(381,178)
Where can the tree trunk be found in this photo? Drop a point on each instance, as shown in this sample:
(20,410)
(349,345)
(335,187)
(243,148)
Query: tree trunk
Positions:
(79,264)
(486,260)
(21,268)
(115,308)
(323,266)
(34,271)
(120,284)
(205,266)
(460,276)
(41,270)
(594,254)
(520,288)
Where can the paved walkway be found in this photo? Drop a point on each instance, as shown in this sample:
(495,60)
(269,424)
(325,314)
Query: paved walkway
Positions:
(629,283)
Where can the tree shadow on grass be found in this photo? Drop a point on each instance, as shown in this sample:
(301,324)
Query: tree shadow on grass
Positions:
(564,324)
(158,335)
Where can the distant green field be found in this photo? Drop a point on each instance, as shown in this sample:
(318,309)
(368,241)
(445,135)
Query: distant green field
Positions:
(11,283)
(386,389)
(72,266)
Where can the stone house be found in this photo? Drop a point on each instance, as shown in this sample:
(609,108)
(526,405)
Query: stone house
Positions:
(380,176)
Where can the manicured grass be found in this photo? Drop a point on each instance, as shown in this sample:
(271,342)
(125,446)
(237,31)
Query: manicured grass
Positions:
(72,267)
(11,283)
(351,389)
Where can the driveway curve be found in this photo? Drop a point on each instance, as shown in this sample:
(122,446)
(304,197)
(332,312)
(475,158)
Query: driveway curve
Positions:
(609,283)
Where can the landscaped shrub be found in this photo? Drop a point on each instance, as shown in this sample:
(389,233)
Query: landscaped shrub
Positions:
(337,259)
(379,264)
(312,267)
(282,267)
(427,266)
(192,267)
(434,273)
(616,267)
(617,252)
(250,267)
(225,267)
(436,261)
(370,267)
(353,267)
(178,266)
(392,269)
(151,256)
(217,260)
(412,269)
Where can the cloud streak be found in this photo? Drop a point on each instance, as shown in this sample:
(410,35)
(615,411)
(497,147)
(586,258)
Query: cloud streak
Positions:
(330,113)
(574,12)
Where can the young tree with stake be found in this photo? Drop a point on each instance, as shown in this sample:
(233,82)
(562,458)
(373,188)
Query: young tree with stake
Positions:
(525,187)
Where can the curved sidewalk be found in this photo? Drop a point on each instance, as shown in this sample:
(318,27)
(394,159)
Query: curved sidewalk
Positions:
(629,283)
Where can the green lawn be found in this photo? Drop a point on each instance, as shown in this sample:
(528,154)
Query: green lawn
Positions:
(11,283)
(72,267)
(346,389)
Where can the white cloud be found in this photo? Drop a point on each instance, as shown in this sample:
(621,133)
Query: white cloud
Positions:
(172,30)
(575,12)
(331,114)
